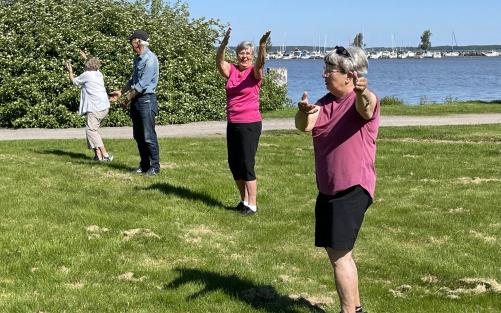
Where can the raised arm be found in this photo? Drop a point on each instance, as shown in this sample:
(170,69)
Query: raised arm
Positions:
(223,67)
(71,77)
(83,54)
(307,115)
(261,55)
(366,100)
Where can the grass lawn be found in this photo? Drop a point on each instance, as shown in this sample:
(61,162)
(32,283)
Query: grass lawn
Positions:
(471,107)
(81,236)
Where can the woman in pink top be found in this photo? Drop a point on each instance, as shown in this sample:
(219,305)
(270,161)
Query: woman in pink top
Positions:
(344,125)
(244,119)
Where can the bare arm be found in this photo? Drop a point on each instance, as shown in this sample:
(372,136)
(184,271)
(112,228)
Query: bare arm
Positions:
(83,54)
(71,77)
(261,55)
(223,67)
(366,100)
(307,115)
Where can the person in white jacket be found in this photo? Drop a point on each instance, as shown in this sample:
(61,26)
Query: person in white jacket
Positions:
(94,103)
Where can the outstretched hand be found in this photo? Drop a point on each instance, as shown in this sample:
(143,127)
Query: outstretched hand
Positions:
(69,67)
(115,95)
(360,83)
(305,107)
(227,35)
(264,38)
(83,54)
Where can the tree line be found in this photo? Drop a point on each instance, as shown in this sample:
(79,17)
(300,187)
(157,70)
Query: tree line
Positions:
(38,36)
(425,43)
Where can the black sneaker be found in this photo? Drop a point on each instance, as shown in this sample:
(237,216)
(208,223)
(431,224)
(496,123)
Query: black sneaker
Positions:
(247,211)
(152,172)
(240,207)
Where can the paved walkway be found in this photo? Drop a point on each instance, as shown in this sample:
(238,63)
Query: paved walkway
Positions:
(219,128)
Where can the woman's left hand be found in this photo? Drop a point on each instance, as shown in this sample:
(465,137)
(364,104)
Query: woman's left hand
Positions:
(264,39)
(360,83)
(83,54)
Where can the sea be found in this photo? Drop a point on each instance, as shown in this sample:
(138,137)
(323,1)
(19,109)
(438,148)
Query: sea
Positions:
(415,81)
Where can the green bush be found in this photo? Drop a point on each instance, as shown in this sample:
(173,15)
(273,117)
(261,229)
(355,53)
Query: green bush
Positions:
(391,100)
(37,36)
(273,96)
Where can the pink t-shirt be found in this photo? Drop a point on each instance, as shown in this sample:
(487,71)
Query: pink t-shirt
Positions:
(242,96)
(345,146)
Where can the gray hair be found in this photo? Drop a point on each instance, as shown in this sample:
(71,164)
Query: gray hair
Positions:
(356,62)
(92,64)
(143,43)
(244,45)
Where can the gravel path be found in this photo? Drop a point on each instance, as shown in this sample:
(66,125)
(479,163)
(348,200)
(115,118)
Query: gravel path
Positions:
(219,128)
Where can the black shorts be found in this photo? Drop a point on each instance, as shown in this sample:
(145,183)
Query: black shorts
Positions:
(242,140)
(338,218)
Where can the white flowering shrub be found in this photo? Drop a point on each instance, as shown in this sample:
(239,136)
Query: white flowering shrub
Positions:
(38,36)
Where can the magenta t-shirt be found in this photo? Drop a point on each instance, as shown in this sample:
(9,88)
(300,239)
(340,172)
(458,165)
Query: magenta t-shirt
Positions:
(345,145)
(242,96)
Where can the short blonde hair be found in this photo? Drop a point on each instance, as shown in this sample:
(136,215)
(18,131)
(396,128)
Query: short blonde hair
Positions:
(92,64)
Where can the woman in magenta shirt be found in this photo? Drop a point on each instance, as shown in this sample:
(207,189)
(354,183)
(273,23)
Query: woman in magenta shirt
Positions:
(244,119)
(344,125)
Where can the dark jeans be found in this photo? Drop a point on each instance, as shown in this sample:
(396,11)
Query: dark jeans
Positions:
(143,110)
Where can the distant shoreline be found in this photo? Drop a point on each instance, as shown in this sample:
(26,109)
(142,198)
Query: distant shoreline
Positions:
(401,48)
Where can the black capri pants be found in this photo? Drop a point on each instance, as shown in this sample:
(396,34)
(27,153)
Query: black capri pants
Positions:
(338,218)
(242,140)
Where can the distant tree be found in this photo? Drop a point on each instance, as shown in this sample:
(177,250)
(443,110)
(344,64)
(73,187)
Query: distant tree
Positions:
(156,7)
(269,45)
(425,40)
(36,39)
(358,41)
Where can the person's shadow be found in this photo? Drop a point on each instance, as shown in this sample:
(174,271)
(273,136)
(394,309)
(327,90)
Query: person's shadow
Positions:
(263,297)
(85,159)
(185,193)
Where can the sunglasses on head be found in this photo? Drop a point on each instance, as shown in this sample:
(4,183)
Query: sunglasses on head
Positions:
(342,51)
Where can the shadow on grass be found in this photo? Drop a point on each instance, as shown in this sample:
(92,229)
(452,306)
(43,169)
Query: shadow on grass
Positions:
(85,159)
(71,154)
(188,194)
(263,297)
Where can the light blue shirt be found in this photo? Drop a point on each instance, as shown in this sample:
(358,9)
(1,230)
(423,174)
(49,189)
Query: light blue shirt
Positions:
(93,96)
(145,73)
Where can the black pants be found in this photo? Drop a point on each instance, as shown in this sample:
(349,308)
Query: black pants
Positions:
(242,141)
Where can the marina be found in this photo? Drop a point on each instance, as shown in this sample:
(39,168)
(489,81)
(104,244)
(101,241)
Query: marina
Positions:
(415,81)
(303,54)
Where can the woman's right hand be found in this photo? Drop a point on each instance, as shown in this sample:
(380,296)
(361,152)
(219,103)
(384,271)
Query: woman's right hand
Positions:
(69,67)
(305,107)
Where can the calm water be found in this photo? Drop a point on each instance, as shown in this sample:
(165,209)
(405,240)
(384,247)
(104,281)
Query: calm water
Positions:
(462,78)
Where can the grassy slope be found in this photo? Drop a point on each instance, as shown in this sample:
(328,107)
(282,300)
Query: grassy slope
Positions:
(435,221)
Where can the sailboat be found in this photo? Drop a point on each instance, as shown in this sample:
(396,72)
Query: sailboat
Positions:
(491,53)
(452,53)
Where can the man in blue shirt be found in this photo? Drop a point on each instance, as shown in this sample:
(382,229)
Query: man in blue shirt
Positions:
(142,102)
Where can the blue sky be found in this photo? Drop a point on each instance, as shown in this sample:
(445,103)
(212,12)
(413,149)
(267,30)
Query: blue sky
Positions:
(303,22)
